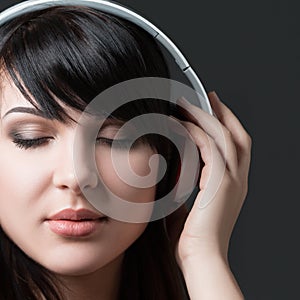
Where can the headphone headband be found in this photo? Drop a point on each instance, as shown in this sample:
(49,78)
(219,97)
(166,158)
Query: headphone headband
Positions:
(125,13)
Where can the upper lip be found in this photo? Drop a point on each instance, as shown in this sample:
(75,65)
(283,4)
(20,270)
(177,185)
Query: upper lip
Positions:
(76,215)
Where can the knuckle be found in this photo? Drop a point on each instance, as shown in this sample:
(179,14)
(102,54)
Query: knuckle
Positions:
(227,131)
(246,140)
(227,134)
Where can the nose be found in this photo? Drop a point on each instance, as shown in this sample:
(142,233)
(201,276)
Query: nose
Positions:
(74,174)
(66,178)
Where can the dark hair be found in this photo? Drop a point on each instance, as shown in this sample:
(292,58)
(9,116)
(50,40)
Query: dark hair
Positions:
(72,54)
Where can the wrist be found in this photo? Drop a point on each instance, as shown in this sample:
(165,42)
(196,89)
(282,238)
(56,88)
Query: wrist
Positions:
(203,259)
(204,252)
(209,277)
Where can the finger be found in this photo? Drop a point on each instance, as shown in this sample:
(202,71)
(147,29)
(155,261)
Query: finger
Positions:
(214,168)
(240,137)
(214,129)
(202,141)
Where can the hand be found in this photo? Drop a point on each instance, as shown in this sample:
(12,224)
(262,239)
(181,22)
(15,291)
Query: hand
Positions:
(225,149)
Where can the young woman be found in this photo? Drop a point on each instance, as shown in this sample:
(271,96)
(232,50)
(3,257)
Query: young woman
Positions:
(53,62)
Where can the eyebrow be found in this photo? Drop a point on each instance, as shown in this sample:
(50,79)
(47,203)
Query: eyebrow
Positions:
(110,120)
(27,110)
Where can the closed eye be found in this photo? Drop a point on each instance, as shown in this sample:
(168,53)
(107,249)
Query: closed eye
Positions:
(42,141)
(31,143)
(119,143)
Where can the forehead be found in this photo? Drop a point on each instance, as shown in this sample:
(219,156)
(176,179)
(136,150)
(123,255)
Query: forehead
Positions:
(10,96)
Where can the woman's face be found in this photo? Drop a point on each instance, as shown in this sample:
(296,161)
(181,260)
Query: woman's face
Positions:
(37,181)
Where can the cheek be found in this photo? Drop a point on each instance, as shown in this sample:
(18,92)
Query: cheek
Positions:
(22,177)
(13,181)
(19,209)
(124,176)
(22,183)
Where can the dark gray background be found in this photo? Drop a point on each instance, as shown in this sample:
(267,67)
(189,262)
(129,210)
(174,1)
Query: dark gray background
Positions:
(249,52)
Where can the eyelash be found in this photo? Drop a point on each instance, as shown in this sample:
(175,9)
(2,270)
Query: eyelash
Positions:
(31,143)
(37,142)
(120,144)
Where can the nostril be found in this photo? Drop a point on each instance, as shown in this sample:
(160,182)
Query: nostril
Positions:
(88,181)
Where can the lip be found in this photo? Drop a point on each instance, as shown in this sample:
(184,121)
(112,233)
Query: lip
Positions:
(76,215)
(76,223)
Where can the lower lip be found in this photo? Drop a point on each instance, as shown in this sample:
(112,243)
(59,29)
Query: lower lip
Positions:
(68,228)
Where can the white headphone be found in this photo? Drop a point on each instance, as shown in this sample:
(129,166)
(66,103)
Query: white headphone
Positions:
(123,12)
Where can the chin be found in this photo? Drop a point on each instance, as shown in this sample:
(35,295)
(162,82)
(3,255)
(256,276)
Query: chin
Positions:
(78,261)
(74,270)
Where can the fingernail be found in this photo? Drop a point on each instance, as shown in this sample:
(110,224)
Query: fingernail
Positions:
(183,101)
(214,95)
